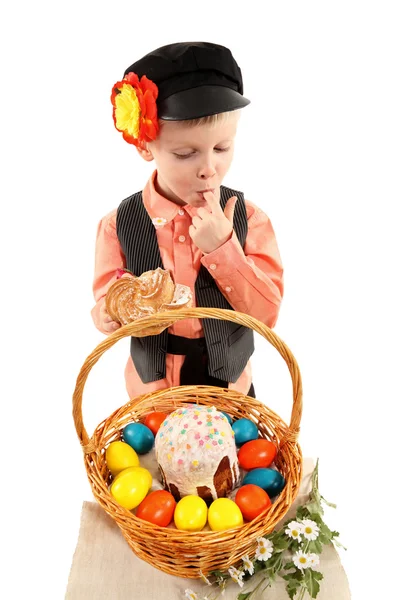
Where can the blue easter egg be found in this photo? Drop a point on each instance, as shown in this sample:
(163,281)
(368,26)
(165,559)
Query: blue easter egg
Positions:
(139,437)
(268,479)
(228,417)
(245,431)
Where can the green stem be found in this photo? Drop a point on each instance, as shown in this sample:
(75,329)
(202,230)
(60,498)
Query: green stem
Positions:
(258,586)
(302,592)
(268,584)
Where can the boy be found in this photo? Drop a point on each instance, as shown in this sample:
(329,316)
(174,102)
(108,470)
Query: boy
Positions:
(180,105)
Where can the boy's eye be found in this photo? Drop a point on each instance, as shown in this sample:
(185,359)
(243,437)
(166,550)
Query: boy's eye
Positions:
(192,153)
(183,155)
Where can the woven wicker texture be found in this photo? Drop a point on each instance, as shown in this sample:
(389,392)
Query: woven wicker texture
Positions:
(176,552)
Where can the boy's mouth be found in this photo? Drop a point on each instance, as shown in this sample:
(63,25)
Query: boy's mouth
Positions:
(204,191)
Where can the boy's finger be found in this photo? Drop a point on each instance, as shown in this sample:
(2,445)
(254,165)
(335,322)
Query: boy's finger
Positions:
(212,201)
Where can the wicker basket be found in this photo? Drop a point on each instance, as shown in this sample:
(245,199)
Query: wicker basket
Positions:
(177,552)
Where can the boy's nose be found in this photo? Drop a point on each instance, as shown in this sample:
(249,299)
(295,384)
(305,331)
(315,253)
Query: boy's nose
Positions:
(206,171)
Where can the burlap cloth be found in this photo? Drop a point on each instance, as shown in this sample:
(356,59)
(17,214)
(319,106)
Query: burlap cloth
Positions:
(105,568)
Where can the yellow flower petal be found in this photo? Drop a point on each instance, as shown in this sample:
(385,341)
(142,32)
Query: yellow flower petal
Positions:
(127,111)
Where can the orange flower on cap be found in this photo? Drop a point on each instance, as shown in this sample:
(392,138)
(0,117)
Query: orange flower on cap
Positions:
(135,109)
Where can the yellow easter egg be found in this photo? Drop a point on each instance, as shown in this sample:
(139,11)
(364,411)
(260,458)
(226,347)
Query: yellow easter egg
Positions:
(140,472)
(190,514)
(130,486)
(120,456)
(224,514)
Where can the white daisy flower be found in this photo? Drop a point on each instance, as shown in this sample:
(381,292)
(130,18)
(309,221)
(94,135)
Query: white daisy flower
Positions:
(159,222)
(236,575)
(311,529)
(204,578)
(294,530)
(314,560)
(264,549)
(301,560)
(262,541)
(190,595)
(247,564)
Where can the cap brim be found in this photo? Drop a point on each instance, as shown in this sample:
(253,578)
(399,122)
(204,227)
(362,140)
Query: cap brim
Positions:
(199,102)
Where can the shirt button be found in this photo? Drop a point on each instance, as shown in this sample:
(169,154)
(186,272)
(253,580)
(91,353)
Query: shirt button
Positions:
(213,267)
(228,289)
(181,212)
(181,238)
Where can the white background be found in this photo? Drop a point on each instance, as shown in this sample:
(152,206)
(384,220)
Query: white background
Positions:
(320,139)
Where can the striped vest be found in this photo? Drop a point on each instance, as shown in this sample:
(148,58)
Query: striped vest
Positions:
(229,345)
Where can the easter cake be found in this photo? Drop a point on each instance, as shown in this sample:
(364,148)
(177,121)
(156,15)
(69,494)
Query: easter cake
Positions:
(196,453)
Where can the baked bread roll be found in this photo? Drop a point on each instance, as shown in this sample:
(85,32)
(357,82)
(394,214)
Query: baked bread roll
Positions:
(131,297)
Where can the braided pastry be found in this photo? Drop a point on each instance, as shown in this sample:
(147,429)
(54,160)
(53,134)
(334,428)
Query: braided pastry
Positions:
(131,298)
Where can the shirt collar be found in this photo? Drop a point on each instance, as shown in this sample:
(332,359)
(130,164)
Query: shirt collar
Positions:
(160,209)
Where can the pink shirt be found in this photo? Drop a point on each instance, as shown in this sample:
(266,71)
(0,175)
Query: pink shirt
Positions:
(250,278)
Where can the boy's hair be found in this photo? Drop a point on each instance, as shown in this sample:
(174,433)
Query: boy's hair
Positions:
(209,120)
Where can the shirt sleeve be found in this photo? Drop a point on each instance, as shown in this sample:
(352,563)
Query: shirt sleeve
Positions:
(108,258)
(250,278)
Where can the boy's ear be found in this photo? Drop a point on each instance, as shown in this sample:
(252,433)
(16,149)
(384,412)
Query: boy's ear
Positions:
(145,153)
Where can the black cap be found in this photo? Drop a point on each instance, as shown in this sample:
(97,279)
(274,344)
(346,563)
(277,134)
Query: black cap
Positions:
(194,79)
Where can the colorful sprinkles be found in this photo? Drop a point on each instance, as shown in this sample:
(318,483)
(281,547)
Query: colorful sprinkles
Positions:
(206,428)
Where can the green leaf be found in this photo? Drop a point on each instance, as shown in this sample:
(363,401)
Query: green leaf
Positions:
(315,546)
(324,539)
(325,530)
(274,561)
(259,565)
(317,575)
(314,516)
(292,588)
(244,595)
(301,513)
(328,503)
(311,582)
(272,576)
(295,576)
(338,544)
(276,535)
(281,543)
(294,545)
(314,507)
(289,565)
(217,573)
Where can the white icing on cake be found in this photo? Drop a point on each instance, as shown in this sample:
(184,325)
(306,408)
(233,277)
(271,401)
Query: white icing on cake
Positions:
(190,445)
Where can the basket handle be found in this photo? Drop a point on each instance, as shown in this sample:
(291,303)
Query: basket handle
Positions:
(138,329)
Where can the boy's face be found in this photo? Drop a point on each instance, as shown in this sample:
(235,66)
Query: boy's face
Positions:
(192,159)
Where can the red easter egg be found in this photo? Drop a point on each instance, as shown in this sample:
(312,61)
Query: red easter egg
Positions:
(154,420)
(252,500)
(256,453)
(158,508)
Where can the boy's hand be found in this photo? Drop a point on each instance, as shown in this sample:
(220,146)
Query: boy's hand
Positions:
(106,322)
(210,230)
